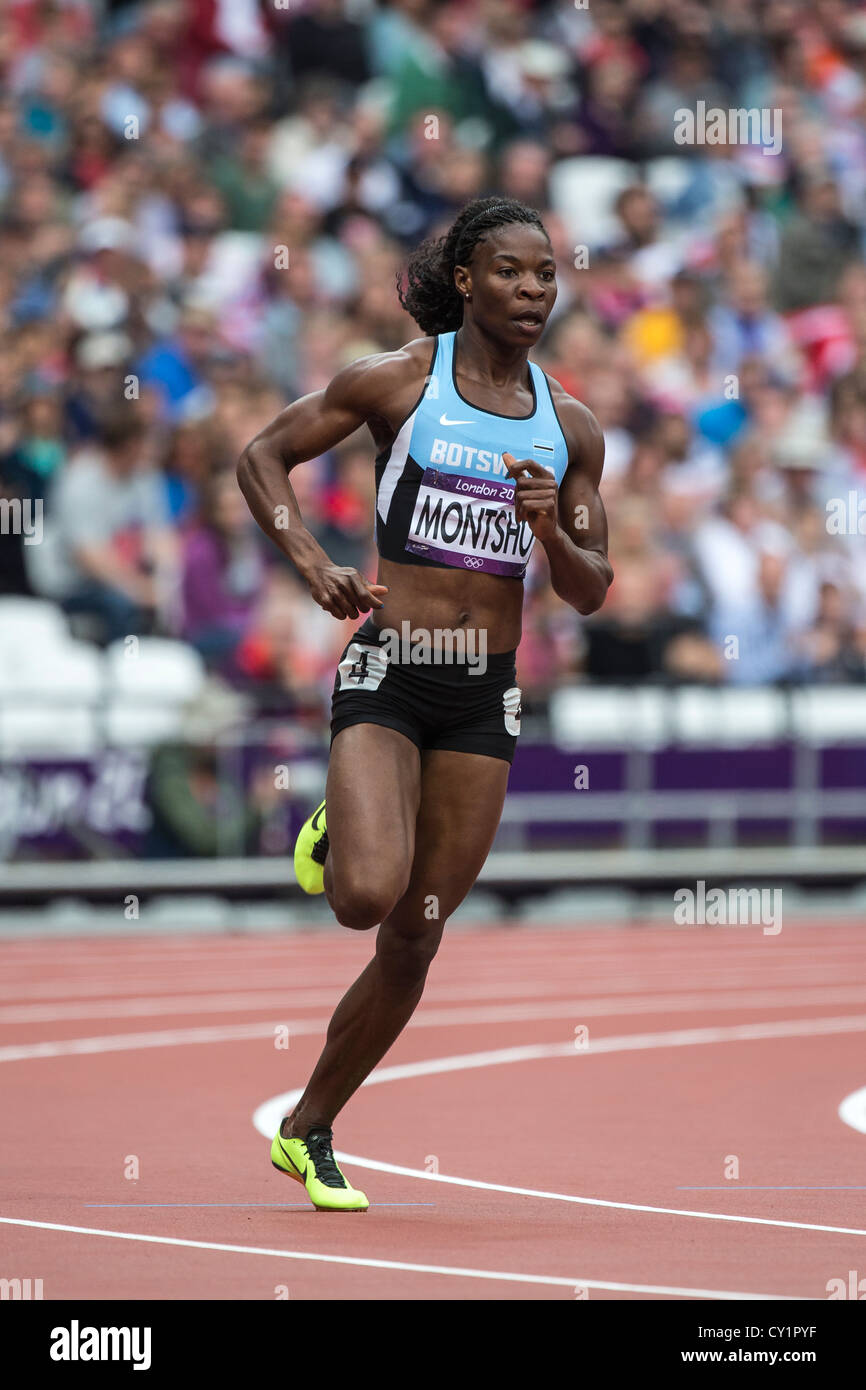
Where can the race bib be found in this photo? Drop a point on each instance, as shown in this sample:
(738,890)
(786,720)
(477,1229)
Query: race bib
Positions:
(469,523)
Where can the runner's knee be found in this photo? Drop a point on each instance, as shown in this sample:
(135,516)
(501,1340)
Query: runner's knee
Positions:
(405,957)
(363,905)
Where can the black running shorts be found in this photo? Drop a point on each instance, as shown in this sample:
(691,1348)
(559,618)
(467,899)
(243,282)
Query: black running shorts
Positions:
(455,705)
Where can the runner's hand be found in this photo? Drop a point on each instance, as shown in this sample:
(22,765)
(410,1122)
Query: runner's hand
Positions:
(343,592)
(535,497)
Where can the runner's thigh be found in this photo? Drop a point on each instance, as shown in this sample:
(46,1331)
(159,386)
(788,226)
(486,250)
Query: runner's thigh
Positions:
(373,794)
(461,805)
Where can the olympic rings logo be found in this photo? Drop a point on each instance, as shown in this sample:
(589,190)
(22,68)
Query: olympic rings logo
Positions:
(474,562)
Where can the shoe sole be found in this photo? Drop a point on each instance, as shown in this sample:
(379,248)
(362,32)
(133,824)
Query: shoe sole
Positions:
(297,1177)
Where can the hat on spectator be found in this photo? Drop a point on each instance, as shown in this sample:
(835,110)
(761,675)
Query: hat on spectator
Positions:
(97,350)
(803,443)
(107,234)
(542,60)
(213,711)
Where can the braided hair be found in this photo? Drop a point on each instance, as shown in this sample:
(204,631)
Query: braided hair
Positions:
(429,293)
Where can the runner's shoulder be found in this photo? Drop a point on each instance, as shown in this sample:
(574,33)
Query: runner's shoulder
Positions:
(369,384)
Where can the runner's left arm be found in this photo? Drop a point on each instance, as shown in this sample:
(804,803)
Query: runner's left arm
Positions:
(569,521)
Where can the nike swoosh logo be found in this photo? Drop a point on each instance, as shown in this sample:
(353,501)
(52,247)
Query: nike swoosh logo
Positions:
(443,420)
(289,1157)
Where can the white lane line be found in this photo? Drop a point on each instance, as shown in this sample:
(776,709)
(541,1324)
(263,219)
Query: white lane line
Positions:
(239,1032)
(399,1171)
(267,1116)
(453,1271)
(853,1110)
(655,958)
(126,984)
(228,1001)
(129,984)
(134,1042)
(431,1014)
(53,972)
(297,985)
(129,998)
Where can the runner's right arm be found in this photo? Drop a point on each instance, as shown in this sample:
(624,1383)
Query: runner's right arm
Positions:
(304,430)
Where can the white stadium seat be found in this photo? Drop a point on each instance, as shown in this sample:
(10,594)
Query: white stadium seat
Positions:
(831,714)
(150,680)
(668,177)
(46,730)
(141,723)
(583,191)
(608,717)
(147,668)
(55,670)
(28,622)
(649,717)
(715,717)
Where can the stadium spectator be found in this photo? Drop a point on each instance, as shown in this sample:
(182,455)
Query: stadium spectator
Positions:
(816,247)
(222,571)
(108,552)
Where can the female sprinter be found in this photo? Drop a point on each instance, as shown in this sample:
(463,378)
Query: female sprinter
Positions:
(479,454)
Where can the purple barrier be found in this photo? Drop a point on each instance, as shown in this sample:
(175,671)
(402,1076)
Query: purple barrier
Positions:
(101,807)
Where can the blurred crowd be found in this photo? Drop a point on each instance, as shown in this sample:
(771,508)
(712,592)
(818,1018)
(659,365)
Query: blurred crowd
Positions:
(204,206)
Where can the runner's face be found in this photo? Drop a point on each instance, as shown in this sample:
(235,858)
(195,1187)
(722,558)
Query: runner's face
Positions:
(512,283)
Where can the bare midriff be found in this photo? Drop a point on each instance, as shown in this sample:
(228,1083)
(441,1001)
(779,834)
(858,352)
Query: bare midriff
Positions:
(429,597)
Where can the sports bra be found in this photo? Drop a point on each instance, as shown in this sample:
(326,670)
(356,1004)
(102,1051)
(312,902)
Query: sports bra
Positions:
(443,495)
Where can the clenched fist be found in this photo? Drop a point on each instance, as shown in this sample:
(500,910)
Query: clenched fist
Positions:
(343,592)
(535,496)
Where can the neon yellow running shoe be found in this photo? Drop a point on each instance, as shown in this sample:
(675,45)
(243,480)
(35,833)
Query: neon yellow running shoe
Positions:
(311,1161)
(311,851)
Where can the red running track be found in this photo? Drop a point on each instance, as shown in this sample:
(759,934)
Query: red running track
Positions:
(561,1119)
